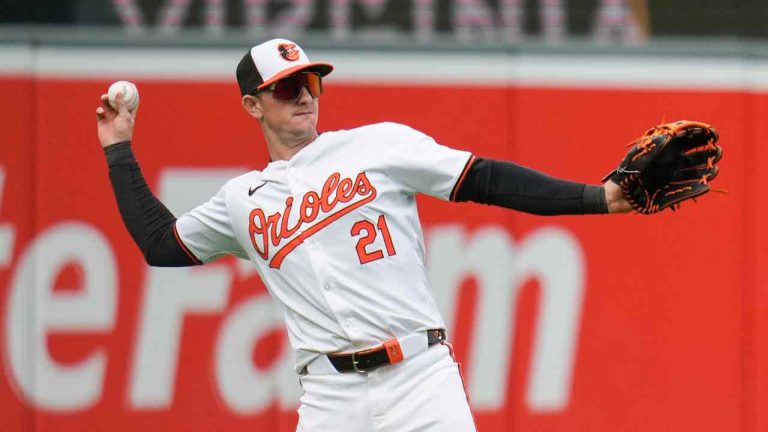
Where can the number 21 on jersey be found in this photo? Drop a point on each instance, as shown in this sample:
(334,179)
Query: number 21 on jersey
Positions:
(369,231)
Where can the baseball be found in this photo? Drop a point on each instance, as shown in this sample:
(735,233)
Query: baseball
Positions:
(130,94)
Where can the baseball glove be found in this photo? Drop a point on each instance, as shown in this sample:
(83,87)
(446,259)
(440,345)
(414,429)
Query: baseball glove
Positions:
(670,163)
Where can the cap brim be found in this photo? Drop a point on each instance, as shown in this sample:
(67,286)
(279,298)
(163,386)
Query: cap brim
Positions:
(322,68)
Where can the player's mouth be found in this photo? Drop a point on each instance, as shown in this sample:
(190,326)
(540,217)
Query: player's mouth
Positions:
(304,113)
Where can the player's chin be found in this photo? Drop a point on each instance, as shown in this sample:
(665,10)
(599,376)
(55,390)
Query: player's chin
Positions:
(303,128)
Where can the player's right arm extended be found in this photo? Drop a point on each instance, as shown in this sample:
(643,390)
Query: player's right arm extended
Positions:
(148,221)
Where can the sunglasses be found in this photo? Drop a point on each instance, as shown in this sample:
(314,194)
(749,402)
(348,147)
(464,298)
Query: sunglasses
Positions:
(289,88)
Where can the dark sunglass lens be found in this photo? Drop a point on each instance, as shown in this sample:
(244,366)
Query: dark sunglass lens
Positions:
(288,88)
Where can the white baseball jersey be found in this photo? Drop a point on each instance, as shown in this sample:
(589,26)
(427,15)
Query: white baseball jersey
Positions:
(335,235)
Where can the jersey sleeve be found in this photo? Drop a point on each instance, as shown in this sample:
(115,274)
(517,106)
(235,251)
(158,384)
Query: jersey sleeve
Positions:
(422,165)
(206,231)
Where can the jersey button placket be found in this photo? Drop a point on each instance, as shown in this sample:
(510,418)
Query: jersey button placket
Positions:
(318,264)
(350,326)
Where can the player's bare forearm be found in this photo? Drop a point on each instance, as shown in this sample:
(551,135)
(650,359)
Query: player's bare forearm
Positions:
(614,197)
(114,125)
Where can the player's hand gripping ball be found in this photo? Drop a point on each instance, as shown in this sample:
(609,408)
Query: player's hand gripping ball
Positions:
(130,94)
(670,163)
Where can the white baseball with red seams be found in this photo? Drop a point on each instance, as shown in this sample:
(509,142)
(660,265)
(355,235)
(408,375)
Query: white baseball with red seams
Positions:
(335,235)
(129,91)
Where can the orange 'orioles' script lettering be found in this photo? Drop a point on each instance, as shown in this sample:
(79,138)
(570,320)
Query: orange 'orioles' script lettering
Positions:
(274,228)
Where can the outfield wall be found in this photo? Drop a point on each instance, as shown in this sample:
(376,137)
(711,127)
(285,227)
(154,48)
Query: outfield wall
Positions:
(597,323)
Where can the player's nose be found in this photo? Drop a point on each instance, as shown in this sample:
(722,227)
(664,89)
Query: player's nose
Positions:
(304,96)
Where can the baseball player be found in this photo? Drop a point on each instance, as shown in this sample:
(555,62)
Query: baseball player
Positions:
(332,228)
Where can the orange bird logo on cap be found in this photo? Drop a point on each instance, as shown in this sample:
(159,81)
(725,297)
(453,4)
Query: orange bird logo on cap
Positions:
(288,51)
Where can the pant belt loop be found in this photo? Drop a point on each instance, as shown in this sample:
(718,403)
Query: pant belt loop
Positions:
(413,344)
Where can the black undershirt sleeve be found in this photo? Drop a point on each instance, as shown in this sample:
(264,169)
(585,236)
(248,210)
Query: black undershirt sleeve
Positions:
(516,187)
(148,221)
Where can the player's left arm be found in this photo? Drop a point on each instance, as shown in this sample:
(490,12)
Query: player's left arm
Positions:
(421,165)
(516,187)
(614,198)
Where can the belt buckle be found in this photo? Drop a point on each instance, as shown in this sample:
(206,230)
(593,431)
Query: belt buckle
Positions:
(355,362)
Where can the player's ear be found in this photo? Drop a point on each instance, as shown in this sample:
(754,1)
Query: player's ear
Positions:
(253,106)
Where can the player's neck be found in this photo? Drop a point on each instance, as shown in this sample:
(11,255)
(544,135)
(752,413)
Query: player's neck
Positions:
(283,148)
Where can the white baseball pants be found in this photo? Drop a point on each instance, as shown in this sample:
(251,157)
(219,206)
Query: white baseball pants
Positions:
(424,393)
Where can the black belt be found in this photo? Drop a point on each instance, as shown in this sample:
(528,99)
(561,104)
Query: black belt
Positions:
(385,354)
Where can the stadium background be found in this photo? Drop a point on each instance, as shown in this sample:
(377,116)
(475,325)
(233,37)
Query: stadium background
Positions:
(569,324)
